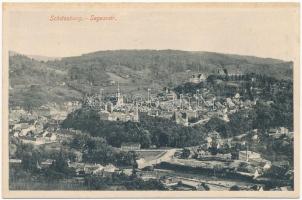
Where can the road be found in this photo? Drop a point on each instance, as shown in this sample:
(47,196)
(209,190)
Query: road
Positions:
(167,156)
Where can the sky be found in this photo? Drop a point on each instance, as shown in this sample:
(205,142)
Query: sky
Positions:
(264,31)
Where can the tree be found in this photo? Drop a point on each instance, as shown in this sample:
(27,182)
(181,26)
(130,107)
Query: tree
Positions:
(185,153)
(59,168)
(29,161)
(265,116)
(216,124)
(12,150)
(145,139)
(241,122)
(213,148)
(235,188)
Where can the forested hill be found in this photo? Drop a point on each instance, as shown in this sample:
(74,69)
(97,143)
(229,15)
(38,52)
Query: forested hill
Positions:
(161,64)
(136,70)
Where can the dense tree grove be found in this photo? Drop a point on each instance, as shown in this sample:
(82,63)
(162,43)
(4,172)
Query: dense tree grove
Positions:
(59,168)
(96,150)
(150,131)
(261,117)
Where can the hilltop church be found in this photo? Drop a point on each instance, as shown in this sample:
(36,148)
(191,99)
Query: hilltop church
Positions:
(118,110)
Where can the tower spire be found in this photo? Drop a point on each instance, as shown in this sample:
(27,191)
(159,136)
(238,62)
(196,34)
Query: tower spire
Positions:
(118,94)
(120,100)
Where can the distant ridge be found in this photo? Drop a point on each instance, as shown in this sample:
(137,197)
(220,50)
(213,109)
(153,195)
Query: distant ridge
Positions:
(43,58)
(35,57)
(268,59)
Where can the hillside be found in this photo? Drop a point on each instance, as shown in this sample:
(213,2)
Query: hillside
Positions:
(135,70)
(33,83)
(174,61)
(162,67)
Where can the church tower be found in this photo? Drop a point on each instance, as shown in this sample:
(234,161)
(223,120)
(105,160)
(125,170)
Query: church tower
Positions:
(119,98)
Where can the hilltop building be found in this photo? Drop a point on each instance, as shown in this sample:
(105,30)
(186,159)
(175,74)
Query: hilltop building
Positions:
(197,78)
(117,110)
(111,114)
(221,72)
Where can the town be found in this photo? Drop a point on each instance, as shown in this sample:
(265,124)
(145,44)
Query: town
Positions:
(221,137)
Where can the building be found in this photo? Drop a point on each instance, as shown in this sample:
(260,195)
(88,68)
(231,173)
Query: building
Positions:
(278,132)
(86,168)
(15,115)
(14,162)
(109,170)
(221,72)
(197,78)
(21,126)
(283,130)
(119,97)
(153,112)
(248,155)
(130,146)
(123,116)
(45,164)
(249,171)
(30,131)
(230,103)
(93,169)
(166,95)
(117,110)
(170,95)
(214,135)
(181,118)
(146,175)
(192,114)
(214,140)
(47,137)
(98,170)
(169,181)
